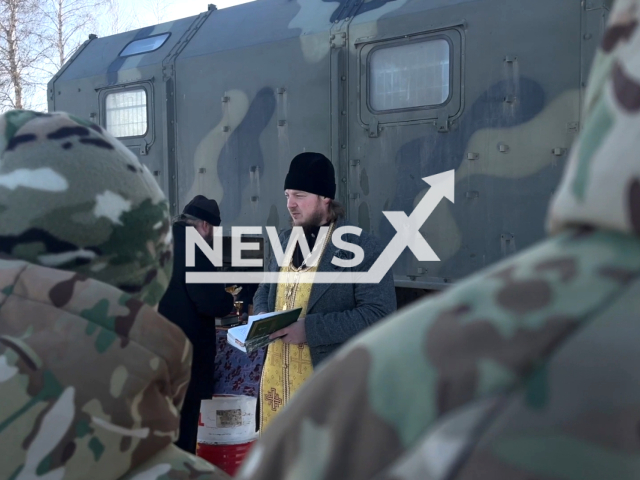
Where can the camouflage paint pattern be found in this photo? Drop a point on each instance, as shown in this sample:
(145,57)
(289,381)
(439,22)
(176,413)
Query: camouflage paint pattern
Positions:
(235,93)
(524,371)
(73,197)
(91,381)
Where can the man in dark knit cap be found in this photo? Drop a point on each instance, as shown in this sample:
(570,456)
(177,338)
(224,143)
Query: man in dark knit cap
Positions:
(194,307)
(331,313)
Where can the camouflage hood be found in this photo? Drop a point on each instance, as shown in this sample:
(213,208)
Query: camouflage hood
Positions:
(91,381)
(601,185)
(73,197)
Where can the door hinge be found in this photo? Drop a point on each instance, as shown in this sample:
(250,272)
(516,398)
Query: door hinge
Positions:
(374,128)
(443,122)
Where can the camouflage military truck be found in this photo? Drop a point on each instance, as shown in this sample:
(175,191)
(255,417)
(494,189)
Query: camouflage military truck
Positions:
(391,90)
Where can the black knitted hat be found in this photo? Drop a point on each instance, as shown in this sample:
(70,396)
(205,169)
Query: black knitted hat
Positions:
(313,173)
(203,209)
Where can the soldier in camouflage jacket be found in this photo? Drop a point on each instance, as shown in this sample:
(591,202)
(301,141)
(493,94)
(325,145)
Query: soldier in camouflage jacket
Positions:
(91,377)
(525,371)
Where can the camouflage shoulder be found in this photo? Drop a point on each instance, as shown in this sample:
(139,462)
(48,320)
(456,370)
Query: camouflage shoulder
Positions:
(172,463)
(97,373)
(486,336)
(115,317)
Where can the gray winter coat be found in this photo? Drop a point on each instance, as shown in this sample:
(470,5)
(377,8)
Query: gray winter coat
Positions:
(337,312)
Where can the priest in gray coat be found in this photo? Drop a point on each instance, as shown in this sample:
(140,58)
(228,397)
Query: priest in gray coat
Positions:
(332,313)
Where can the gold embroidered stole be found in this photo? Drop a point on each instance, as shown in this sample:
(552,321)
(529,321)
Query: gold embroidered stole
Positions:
(287,366)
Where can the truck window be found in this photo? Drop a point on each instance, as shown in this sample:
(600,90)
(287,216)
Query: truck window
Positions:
(126,113)
(410,76)
(144,45)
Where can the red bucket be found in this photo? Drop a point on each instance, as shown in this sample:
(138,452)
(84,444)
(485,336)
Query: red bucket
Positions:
(226,457)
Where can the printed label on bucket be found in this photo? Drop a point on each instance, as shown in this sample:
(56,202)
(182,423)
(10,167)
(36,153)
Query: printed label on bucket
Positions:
(228,418)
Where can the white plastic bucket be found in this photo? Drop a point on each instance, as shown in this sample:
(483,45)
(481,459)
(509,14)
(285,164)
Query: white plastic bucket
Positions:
(227,420)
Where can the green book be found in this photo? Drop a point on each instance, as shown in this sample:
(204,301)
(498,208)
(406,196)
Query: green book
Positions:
(255,334)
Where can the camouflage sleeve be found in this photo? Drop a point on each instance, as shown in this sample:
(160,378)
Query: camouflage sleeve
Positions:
(174,464)
(488,336)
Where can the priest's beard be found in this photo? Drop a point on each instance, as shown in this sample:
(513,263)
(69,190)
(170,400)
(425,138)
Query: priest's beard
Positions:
(313,220)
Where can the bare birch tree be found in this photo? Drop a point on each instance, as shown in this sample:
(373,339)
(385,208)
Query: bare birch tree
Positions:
(38,36)
(67,24)
(21,51)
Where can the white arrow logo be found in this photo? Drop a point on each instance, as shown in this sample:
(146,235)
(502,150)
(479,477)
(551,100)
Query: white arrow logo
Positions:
(408,228)
(407,235)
